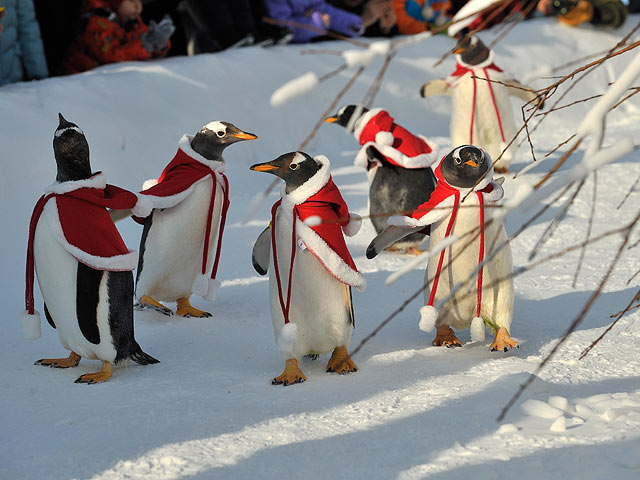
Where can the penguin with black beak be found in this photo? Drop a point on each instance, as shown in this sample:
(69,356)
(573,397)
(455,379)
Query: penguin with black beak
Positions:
(182,238)
(457,208)
(481,113)
(83,267)
(311,271)
(398,165)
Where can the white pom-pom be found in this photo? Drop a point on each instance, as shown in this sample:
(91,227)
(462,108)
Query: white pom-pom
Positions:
(297,86)
(286,339)
(152,182)
(201,285)
(353,227)
(213,286)
(428,317)
(142,207)
(384,138)
(477,330)
(313,221)
(31,328)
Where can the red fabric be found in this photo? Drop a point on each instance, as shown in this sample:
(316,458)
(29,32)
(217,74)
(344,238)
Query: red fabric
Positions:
(180,174)
(105,39)
(329,205)
(403,140)
(442,191)
(461,70)
(284,306)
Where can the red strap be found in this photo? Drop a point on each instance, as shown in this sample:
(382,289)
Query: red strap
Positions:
(473,108)
(481,254)
(447,233)
(493,99)
(30,276)
(285,308)
(223,219)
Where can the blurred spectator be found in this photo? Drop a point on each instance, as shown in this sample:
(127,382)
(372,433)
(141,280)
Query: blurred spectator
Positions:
(21,52)
(113,31)
(57,20)
(415,16)
(317,15)
(3,11)
(605,13)
(378,16)
(157,9)
(634,6)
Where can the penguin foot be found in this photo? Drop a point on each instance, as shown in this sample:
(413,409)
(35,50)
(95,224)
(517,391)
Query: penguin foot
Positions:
(413,250)
(292,374)
(340,362)
(503,341)
(445,338)
(71,361)
(102,376)
(146,302)
(186,310)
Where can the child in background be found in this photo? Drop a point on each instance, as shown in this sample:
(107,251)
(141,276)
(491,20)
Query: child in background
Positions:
(112,31)
(415,16)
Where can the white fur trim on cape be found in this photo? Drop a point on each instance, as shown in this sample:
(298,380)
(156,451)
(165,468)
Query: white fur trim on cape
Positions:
(152,182)
(96,181)
(353,227)
(287,337)
(428,317)
(477,329)
(423,160)
(173,200)
(310,187)
(31,328)
(363,120)
(212,288)
(440,211)
(496,194)
(142,207)
(384,138)
(118,263)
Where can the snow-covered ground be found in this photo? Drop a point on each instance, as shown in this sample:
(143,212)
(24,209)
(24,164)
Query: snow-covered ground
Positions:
(208,410)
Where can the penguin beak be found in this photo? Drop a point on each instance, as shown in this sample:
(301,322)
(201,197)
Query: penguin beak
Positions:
(331,119)
(269,167)
(244,136)
(459,50)
(473,163)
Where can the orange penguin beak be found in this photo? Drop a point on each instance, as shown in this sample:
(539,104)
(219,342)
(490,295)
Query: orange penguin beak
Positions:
(263,167)
(331,119)
(472,163)
(244,136)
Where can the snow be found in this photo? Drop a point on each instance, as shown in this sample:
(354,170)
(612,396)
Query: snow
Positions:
(208,410)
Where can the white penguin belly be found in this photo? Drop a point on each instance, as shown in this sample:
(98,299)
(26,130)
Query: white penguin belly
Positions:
(57,270)
(460,260)
(320,304)
(174,245)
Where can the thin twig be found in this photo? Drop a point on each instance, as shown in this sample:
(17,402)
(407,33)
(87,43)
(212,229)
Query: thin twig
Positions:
(631,190)
(589,227)
(311,28)
(370,96)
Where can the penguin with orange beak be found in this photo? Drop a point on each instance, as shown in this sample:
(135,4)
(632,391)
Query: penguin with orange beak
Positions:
(182,238)
(311,271)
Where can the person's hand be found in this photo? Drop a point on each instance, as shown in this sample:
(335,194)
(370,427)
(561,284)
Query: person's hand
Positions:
(544,6)
(156,38)
(321,20)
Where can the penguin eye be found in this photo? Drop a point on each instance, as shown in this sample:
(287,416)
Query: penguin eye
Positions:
(458,160)
(220,133)
(294,166)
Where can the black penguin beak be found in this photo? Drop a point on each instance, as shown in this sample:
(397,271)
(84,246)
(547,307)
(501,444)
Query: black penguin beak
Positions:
(244,136)
(331,119)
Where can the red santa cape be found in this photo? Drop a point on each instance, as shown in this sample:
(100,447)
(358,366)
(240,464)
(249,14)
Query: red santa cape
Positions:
(461,70)
(76,215)
(399,146)
(444,202)
(322,236)
(177,182)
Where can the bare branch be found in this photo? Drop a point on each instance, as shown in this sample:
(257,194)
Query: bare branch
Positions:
(589,227)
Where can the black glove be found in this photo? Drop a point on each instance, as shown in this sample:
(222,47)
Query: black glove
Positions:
(156,38)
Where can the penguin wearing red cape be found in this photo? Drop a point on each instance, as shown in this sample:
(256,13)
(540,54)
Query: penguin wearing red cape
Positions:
(481,113)
(457,208)
(311,271)
(83,267)
(398,165)
(182,238)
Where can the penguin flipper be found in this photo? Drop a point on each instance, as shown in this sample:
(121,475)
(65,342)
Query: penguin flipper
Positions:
(388,236)
(523,92)
(435,87)
(261,253)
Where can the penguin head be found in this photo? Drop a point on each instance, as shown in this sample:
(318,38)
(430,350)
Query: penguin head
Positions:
(471,50)
(464,165)
(343,116)
(295,168)
(214,137)
(71,150)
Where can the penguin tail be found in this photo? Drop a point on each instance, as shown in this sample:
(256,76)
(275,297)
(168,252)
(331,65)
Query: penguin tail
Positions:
(141,358)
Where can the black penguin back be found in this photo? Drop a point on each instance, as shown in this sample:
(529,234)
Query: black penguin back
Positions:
(71,152)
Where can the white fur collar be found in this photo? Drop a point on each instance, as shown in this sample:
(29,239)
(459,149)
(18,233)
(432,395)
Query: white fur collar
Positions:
(311,186)
(363,120)
(96,181)
(484,64)
(185,145)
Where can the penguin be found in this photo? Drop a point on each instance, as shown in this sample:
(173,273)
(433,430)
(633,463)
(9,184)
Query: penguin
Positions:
(398,165)
(481,113)
(310,269)
(457,207)
(182,238)
(82,265)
